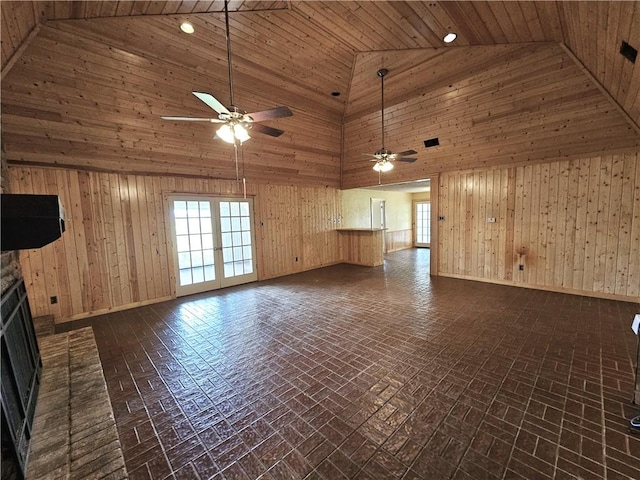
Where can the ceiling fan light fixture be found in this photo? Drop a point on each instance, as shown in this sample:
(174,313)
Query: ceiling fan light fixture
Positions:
(450,37)
(226,133)
(383,166)
(240,132)
(187,27)
(232,132)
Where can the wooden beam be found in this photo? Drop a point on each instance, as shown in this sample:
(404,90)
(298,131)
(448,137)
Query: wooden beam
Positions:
(21,49)
(600,87)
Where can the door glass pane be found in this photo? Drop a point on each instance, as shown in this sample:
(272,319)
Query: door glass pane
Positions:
(182,226)
(236,241)
(185,276)
(194,241)
(423,223)
(184,260)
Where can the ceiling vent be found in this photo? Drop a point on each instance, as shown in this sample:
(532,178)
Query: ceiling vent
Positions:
(432,142)
(628,52)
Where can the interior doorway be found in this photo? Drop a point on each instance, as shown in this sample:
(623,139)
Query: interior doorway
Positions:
(379,218)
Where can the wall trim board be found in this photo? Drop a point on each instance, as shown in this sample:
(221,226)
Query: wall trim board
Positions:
(119,308)
(569,291)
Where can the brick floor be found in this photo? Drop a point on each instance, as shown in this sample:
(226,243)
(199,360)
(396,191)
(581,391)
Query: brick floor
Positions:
(74,432)
(373,373)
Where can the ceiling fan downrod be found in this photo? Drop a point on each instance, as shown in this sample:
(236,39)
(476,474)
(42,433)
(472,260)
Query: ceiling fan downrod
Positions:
(381,73)
(226,24)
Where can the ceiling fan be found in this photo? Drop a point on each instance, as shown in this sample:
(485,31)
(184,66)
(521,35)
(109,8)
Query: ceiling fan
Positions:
(236,123)
(384,158)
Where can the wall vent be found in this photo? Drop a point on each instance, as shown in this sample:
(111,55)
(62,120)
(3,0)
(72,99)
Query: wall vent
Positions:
(628,52)
(432,142)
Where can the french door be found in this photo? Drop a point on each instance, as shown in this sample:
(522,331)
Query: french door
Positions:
(213,242)
(422,224)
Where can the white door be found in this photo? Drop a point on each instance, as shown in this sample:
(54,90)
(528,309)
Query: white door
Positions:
(378,217)
(213,242)
(423,224)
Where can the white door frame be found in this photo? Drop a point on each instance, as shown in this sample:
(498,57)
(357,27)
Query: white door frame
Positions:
(219,252)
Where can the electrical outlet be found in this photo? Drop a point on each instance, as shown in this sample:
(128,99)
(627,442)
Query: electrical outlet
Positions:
(491,220)
(54,300)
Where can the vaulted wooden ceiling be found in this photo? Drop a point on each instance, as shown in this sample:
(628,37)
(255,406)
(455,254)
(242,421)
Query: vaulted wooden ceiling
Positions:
(84,84)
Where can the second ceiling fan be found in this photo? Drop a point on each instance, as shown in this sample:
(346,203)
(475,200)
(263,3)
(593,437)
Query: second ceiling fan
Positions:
(384,158)
(236,123)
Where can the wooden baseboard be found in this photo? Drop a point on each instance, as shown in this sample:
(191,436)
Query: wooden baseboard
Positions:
(570,291)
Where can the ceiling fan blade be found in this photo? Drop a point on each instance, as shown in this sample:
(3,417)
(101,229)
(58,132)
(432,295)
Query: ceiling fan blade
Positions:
(273,132)
(277,112)
(406,159)
(406,152)
(193,119)
(212,102)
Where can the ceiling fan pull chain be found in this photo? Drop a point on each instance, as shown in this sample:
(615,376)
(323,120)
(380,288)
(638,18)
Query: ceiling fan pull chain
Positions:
(235,151)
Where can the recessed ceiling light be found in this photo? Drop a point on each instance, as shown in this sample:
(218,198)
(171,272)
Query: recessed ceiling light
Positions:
(186,27)
(449,37)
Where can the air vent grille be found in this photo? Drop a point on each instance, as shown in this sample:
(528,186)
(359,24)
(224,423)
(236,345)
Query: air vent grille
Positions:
(628,52)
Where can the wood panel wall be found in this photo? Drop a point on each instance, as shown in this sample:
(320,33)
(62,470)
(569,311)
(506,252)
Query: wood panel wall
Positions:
(398,240)
(573,225)
(114,252)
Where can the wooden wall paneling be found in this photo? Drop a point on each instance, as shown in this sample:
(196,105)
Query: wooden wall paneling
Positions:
(507,227)
(125,196)
(109,241)
(76,254)
(561,192)
(592,224)
(575,220)
(600,238)
(633,281)
(552,213)
(581,225)
(533,217)
(163,271)
(91,286)
(449,223)
(613,231)
(122,234)
(146,266)
(626,222)
(434,198)
(94,226)
(467,199)
(570,227)
(491,204)
(398,240)
(479,242)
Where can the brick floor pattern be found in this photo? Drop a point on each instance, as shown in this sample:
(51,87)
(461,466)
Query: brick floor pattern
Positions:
(373,373)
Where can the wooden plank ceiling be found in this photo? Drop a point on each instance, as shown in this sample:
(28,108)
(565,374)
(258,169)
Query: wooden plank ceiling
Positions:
(84,84)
